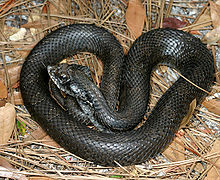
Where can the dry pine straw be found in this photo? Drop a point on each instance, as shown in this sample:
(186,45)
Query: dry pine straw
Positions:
(187,158)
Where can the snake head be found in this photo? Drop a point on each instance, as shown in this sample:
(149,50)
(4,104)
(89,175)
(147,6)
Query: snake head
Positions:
(70,79)
(58,74)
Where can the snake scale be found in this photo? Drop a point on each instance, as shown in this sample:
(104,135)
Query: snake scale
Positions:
(175,48)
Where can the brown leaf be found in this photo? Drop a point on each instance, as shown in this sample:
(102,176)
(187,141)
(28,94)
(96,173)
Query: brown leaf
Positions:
(54,8)
(217,2)
(24,49)
(39,24)
(135,16)
(3,91)
(212,174)
(17,98)
(13,71)
(186,119)
(195,32)
(40,134)
(2,102)
(36,134)
(18,35)
(45,7)
(215,9)
(16,85)
(173,152)
(199,167)
(173,23)
(205,17)
(7,122)
(212,36)
(212,105)
(50,142)
(7,170)
(5,163)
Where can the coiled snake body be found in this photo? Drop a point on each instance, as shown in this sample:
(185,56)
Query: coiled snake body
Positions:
(161,46)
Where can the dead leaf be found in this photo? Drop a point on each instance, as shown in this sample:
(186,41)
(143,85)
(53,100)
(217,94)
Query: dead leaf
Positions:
(186,119)
(16,85)
(9,173)
(171,22)
(212,36)
(37,134)
(199,167)
(212,174)
(173,152)
(39,24)
(5,163)
(195,32)
(13,71)
(212,105)
(205,17)
(7,170)
(53,8)
(2,102)
(50,142)
(7,122)
(135,17)
(18,35)
(3,91)
(45,7)
(25,49)
(217,2)
(40,134)
(9,31)
(215,9)
(17,98)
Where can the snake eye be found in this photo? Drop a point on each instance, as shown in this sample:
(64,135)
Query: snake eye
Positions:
(63,76)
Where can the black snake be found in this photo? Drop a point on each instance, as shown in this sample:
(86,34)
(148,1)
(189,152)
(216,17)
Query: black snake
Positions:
(160,46)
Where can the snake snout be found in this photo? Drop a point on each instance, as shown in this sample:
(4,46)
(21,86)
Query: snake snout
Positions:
(62,77)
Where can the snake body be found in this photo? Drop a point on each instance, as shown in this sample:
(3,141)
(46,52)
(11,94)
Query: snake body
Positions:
(160,46)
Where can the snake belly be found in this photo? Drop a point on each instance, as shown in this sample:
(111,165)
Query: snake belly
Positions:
(160,46)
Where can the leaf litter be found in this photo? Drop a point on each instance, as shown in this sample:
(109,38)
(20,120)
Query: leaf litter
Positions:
(27,152)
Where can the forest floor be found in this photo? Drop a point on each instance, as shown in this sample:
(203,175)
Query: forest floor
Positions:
(27,152)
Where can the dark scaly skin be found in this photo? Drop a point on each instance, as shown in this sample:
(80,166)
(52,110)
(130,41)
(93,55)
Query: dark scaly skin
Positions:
(176,48)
